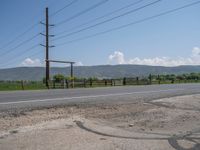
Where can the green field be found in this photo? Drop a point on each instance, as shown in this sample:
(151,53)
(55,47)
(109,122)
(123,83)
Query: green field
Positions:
(8,86)
(33,85)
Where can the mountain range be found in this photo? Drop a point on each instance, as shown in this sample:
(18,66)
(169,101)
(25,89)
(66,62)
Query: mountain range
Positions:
(102,71)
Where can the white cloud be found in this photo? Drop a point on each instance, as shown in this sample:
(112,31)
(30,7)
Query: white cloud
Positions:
(194,59)
(31,62)
(79,63)
(196,52)
(118,57)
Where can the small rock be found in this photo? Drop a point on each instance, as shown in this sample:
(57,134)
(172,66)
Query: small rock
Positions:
(13,131)
(131,125)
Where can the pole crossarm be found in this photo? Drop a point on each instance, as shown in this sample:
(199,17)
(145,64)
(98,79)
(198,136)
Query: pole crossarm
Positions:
(45,35)
(65,62)
(52,25)
(60,61)
(52,46)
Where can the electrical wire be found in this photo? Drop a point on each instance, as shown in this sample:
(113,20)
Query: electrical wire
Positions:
(106,15)
(108,20)
(61,9)
(28,30)
(82,12)
(19,45)
(18,56)
(19,36)
(132,23)
(23,33)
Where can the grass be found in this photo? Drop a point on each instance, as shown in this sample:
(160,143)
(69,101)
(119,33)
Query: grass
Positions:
(10,86)
(33,85)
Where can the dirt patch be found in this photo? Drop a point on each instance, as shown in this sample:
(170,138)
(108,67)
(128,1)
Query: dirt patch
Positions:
(116,112)
(158,124)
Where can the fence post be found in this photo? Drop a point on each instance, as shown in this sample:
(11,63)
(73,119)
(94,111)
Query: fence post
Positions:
(150,79)
(90,82)
(137,80)
(124,81)
(84,83)
(172,81)
(111,82)
(158,79)
(22,84)
(67,83)
(106,83)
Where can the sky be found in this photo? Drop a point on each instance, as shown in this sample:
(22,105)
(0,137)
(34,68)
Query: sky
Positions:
(81,32)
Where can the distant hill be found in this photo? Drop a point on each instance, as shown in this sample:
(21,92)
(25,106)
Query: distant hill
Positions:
(104,71)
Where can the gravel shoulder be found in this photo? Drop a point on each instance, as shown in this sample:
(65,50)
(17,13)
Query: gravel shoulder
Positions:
(169,123)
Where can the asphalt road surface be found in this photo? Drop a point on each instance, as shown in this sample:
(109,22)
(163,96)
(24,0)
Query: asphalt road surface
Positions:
(16,100)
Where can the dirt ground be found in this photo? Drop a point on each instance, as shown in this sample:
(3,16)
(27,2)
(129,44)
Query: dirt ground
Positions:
(170,123)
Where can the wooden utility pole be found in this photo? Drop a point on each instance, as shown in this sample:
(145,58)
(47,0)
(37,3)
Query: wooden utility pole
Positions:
(72,75)
(47,47)
(72,72)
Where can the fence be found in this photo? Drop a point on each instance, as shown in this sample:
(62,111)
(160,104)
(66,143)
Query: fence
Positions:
(86,83)
(21,85)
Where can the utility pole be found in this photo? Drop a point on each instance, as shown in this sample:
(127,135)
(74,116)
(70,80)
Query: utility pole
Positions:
(47,45)
(72,75)
(72,72)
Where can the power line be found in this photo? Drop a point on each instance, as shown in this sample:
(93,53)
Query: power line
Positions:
(19,45)
(82,12)
(16,57)
(34,54)
(108,20)
(106,15)
(19,36)
(28,30)
(61,9)
(23,33)
(27,50)
(132,23)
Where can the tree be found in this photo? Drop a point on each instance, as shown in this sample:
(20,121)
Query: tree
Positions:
(180,77)
(58,77)
(194,76)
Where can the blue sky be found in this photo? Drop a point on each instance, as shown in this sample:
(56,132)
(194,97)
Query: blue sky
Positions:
(169,40)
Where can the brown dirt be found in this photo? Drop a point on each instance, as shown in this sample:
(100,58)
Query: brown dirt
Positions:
(170,123)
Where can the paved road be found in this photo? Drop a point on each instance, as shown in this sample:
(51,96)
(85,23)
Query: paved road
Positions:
(10,101)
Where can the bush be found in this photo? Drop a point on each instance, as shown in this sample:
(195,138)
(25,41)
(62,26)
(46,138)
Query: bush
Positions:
(58,77)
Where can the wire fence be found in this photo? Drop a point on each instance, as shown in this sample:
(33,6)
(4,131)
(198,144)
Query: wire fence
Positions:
(88,83)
